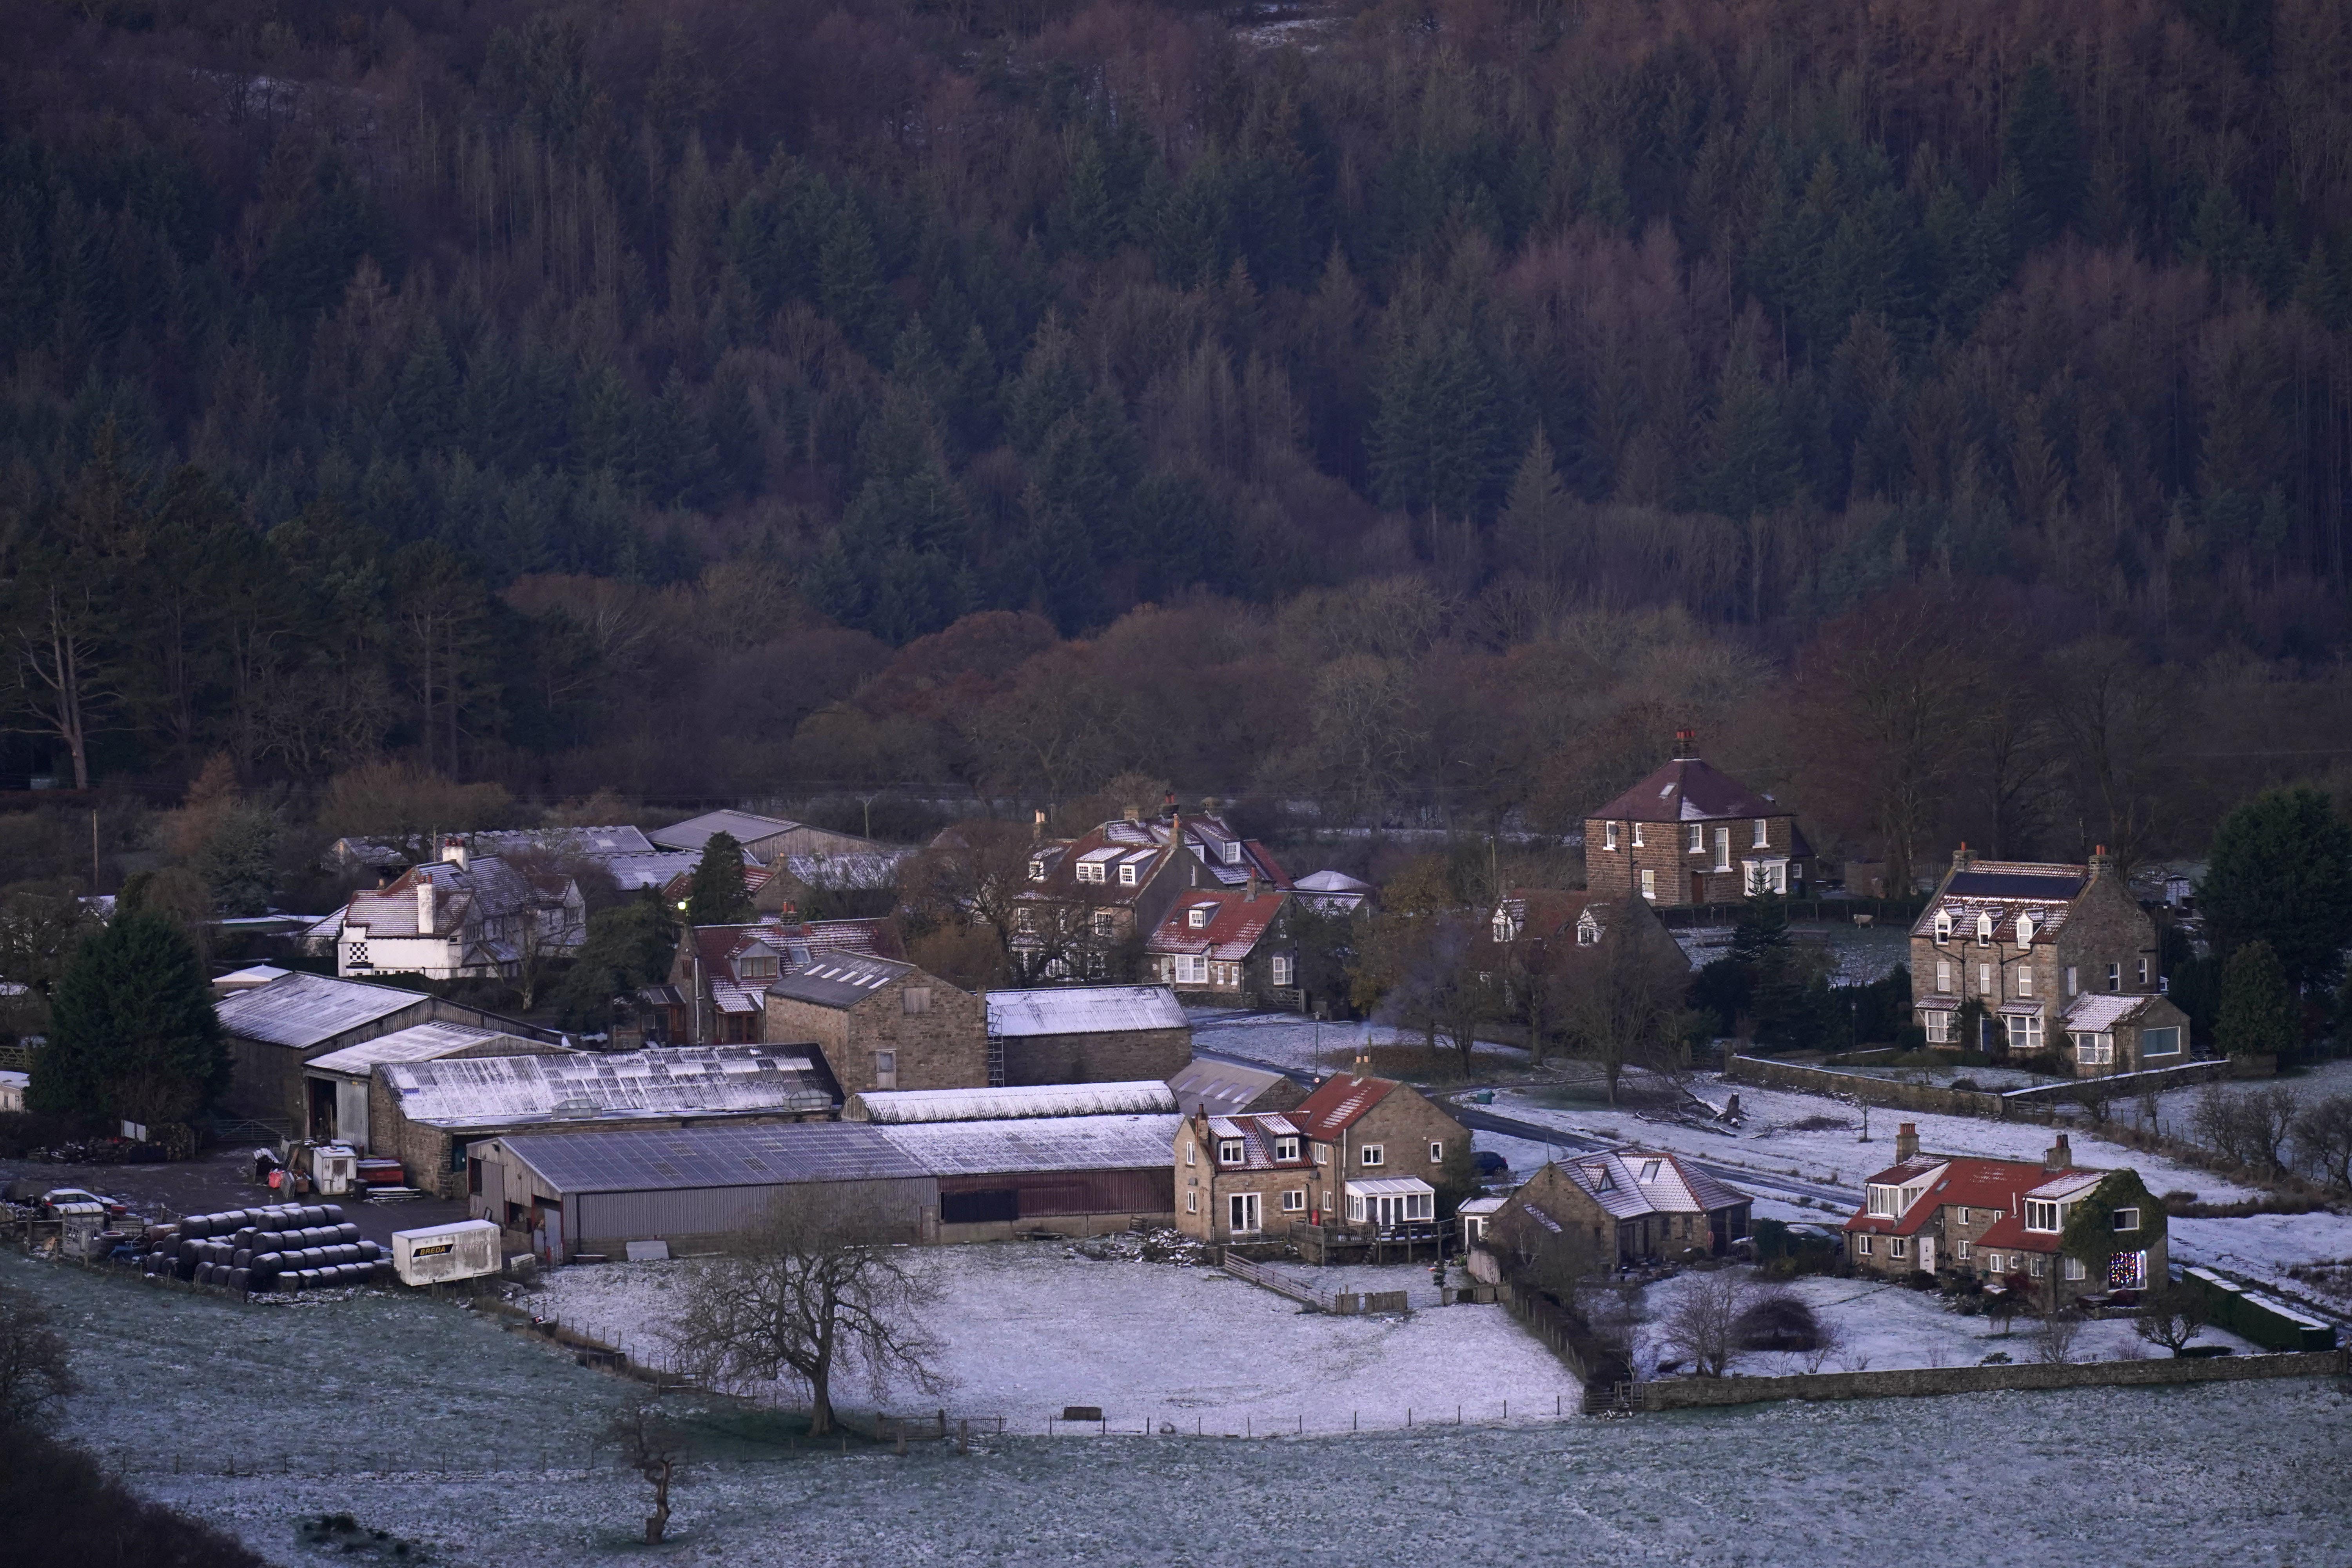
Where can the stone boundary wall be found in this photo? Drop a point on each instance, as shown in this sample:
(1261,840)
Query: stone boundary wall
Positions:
(1694,1392)
(1880,1091)
(2118,1084)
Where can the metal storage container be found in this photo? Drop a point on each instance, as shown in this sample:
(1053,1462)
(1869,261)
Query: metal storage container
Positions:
(464,1251)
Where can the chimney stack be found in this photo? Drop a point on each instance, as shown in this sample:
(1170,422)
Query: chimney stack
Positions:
(1253,884)
(424,904)
(1037,828)
(1906,1141)
(1963,858)
(1686,746)
(2061,1155)
(1134,814)
(453,850)
(2102,863)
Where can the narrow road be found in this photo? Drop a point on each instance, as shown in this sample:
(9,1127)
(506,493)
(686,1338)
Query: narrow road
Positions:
(1481,1119)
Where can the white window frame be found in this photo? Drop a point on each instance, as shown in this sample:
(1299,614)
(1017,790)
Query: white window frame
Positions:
(1294,1200)
(1436,1152)
(1104,925)
(1230,1151)
(2143,973)
(1650,885)
(1245,1213)
(1637,836)
(1943,927)
(1722,849)
(1192,1203)
(2076,1269)
(1885,1202)
(1935,1023)
(1698,838)
(1943,977)
(2137,1271)
(1609,835)
(2036,1265)
(1090,871)
(2041,1217)
(1862,1245)
(2024,1031)
(1984,981)
(1763,833)
(1127,874)
(1963,1249)
(1232,851)
(1037,870)
(1899,1246)
(1197,917)
(1280,965)
(1372,1154)
(1286,1148)
(1191,1154)
(2026,980)
(2171,1030)
(2074,981)
(2130,1223)
(1984,931)
(2115,977)
(2097,1050)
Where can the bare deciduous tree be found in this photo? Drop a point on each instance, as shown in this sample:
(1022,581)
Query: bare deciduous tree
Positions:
(36,1369)
(2171,1316)
(1704,1325)
(2323,1134)
(1621,999)
(652,1445)
(2055,1334)
(824,1284)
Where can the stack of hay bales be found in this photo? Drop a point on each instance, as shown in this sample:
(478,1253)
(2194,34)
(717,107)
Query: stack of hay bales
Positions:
(284,1247)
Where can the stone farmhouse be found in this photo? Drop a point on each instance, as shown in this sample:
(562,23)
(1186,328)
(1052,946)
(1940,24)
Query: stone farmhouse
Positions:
(2003,1221)
(1093,901)
(1691,834)
(2061,958)
(1590,1213)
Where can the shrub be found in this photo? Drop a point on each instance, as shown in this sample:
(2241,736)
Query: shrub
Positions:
(1780,1322)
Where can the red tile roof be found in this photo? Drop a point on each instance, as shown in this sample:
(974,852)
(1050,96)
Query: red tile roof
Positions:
(1338,1104)
(1964,1183)
(1236,921)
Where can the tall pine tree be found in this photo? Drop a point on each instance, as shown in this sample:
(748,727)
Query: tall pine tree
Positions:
(716,896)
(132,1034)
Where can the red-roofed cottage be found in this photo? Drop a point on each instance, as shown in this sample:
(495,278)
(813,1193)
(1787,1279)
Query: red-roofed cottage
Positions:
(1228,947)
(2003,1221)
(1691,834)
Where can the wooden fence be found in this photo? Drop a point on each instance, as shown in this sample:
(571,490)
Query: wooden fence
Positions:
(1341,1303)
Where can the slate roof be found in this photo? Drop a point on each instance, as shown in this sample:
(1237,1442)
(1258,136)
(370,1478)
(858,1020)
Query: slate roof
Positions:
(1037,1145)
(683,1081)
(838,980)
(654,868)
(668,1159)
(1632,1183)
(908,1106)
(1083,1010)
(747,828)
(304,1010)
(1220,1089)
(1237,923)
(1257,1135)
(494,884)
(416,1043)
(2006,889)
(1688,790)
(592,843)
(1339,1103)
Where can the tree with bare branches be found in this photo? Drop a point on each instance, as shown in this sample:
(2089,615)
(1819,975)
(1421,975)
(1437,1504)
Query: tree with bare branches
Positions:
(1622,1001)
(1705,1325)
(652,1444)
(824,1284)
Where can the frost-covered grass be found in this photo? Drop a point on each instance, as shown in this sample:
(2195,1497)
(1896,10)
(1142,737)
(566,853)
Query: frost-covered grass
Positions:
(1886,1326)
(421,1420)
(1028,1328)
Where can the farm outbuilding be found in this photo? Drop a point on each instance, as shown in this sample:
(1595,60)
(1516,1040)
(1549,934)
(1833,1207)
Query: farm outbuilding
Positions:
(595,1192)
(339,1081)
(1087,1033)
(426,1114)
(1144,1095)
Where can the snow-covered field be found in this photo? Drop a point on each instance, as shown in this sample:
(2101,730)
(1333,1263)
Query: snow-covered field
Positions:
(428,1422)
(1028,1328)
(1883,1326)
(1287,1040)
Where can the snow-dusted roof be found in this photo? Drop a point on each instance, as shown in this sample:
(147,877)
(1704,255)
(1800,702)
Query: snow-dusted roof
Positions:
(1387,1186)
(686,1080)
(652,868)
(909,1105)
(1083,1010)
(416,1043)
(1045,1143)
(1480,1205)
(1220,1089)
(306,1010)
(838,979)
(669,1159)
(2096,1010)
(745,827)
(593,842)
(1630,1183)
(1332,882)
(247,978)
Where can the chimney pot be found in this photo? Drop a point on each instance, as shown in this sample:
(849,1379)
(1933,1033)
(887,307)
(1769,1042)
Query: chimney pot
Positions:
(1906,1141)
(1686,744)
(2061,1155)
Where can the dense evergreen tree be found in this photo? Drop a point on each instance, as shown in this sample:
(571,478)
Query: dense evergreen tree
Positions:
(133,1031)
(2281,874)
(716,896)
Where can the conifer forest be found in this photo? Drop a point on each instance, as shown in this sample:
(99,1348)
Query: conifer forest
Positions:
(1410,407)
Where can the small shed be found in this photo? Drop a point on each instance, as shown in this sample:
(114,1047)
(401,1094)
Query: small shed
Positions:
(1087,1033)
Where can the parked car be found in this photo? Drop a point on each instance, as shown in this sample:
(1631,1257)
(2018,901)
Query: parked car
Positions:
(57,1198)
(1490,1164)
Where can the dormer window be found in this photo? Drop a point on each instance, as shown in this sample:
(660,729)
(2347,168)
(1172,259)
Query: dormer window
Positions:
(1127,874)
(1286,1148)
(1942,926)
(1090,871)
(756,966)
(1197,917)
(1229,1152)
(2025,930)
(1232,851)
(2043,1215)
(1984,931)
(1588,932)
(1037,870)
(1503,931)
